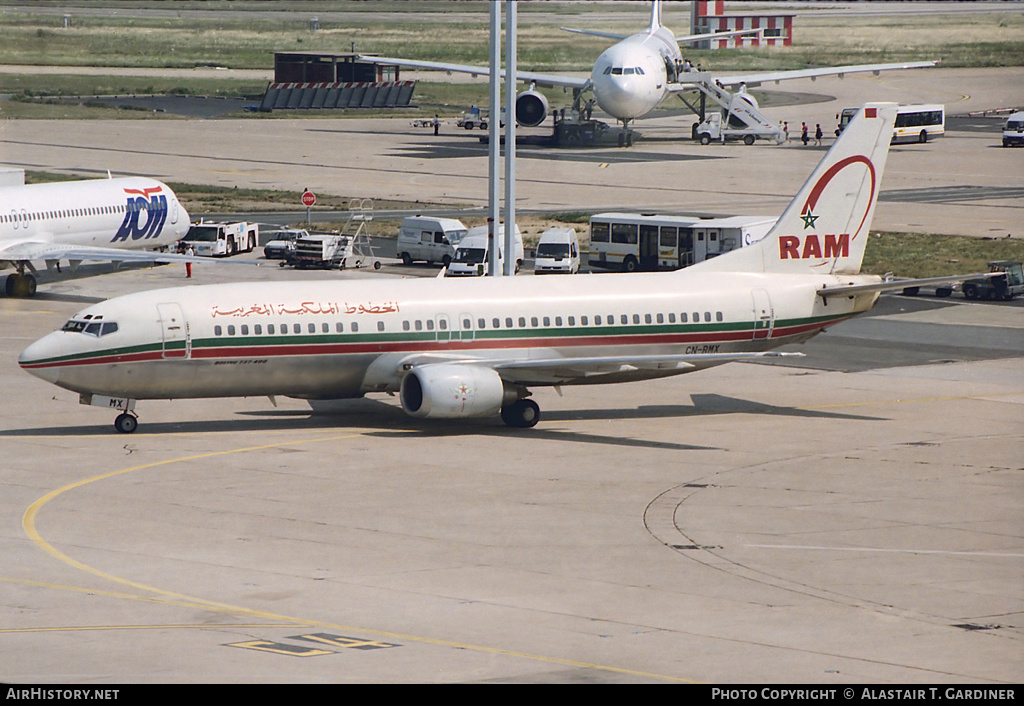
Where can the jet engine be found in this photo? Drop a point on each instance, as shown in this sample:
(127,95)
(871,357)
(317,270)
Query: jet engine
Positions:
(531,108)
(451,391)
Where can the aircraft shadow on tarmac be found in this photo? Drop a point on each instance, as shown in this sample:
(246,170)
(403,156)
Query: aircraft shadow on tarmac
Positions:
(385,420)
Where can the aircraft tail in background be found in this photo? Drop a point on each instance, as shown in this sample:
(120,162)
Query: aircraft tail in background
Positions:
(656,16)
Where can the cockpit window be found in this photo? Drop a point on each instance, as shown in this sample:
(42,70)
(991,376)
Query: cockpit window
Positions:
(620,71)
(74,326)
(90,328)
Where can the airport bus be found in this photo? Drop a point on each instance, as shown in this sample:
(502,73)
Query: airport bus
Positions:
(914,123)
(648,242)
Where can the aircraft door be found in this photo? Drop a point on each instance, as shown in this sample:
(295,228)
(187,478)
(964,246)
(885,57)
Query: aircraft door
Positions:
(700,246)
(685,247)
(764,314)
(176,340)
(649,248)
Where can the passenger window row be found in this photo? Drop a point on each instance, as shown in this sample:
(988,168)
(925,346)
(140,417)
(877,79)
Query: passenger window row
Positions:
(68,213)
(441,324)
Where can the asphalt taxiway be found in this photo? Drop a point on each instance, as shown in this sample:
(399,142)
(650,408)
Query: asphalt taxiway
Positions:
(855,519)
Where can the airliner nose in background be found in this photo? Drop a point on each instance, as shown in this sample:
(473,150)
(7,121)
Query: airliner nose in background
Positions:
(114,220)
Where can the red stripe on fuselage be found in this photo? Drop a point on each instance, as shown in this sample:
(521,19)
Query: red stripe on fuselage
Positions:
(339,348)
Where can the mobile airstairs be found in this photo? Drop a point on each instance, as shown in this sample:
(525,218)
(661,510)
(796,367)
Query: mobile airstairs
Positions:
(738,119)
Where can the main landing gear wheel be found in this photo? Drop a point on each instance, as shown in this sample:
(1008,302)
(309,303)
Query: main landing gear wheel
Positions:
(126,423)
(521,415)
(20,285)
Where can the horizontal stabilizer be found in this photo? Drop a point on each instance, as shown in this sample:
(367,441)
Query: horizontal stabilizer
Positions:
(592,33)
(894,284)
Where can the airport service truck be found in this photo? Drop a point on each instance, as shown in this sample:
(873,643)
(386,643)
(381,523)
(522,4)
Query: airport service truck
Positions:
(210,239)
(320,250)
(329,251)
(715,129)
(1006,285)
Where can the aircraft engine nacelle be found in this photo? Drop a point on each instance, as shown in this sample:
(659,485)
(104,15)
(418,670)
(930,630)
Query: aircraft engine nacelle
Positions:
(453,391)
(531,109)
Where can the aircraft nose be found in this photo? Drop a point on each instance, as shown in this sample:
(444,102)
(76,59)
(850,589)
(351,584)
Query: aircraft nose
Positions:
(41,358)
(615,98)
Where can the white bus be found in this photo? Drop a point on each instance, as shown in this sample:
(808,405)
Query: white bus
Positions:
(633,241)
(914,123)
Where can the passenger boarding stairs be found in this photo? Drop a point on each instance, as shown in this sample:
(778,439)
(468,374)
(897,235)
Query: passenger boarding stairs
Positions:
(739,110)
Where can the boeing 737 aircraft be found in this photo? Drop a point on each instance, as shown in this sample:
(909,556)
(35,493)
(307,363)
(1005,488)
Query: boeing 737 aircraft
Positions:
(474,348)
(98,219)
(633,77)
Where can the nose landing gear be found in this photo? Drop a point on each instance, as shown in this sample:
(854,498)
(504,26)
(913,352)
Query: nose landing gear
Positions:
(126,423)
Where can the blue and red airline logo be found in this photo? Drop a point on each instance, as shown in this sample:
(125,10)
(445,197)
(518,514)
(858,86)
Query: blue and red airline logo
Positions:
(136,226)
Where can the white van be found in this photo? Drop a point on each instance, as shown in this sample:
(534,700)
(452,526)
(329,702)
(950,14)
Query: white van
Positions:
(429,239)
(471,254)
(1013,131)
(558,251)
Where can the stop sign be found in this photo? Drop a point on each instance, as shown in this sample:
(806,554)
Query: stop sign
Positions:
(308,198)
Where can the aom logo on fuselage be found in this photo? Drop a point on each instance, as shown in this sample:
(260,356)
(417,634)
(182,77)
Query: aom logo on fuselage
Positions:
(150,201)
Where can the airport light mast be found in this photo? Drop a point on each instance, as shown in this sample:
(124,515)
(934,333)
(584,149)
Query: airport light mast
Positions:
(494,138)
(511,29)
(493,145)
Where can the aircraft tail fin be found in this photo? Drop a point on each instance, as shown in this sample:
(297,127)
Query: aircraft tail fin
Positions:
(656,15)
(825,228)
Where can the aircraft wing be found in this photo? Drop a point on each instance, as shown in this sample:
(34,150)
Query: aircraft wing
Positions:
(27,251)
(776,76)
(554,371)
(547,80)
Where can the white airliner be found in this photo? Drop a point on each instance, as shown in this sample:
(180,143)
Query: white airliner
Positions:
(97,219)
(633,77)
(474,348)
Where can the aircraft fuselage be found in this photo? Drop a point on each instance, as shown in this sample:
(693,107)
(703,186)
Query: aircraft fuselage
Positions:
(128,213)
(344,339)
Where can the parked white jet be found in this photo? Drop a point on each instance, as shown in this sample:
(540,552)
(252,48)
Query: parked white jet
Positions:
(97,219)
(472,348)
(633,77)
